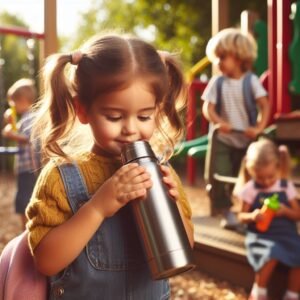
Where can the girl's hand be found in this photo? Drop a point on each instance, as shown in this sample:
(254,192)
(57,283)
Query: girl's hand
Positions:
(256,215)
(282,211)
(170,182)
(130,182)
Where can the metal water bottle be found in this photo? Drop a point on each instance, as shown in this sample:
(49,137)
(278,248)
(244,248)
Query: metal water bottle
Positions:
(161,229)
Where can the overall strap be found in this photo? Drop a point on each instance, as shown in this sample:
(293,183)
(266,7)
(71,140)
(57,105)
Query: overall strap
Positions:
(219,94)
(249,99)
(283,183)
(75,186)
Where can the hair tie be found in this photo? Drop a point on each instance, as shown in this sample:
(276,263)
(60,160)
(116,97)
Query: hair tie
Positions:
(283,148)
(163,54)
(76,57)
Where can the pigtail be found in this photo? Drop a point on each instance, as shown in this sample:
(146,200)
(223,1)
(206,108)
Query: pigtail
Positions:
(55,111)
(243,177)
(175,99)
(284,161)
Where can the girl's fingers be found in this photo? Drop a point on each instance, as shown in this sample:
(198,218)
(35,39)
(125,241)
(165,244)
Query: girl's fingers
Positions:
(127,190)
(174,194)
(167,176)
(166,170)
(126,197)
(142,177)
(170,182)
(133,174)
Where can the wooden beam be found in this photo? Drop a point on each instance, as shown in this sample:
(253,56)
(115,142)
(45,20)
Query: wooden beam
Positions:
(219,20)
(248,18)
(220,15)
(284,37)
(50,28)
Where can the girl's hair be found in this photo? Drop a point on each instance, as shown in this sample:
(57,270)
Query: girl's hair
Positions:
(108,63)
(233,41)
(260,154)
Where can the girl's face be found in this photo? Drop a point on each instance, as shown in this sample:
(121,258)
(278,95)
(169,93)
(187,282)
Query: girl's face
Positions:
(121,117)
(230,66)
(267,175)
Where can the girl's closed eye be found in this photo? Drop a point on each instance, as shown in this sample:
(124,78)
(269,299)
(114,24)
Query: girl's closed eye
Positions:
(113,118)
(145,118)
(146,114)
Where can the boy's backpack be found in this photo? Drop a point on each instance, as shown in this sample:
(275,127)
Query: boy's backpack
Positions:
(19,278)
(250,101)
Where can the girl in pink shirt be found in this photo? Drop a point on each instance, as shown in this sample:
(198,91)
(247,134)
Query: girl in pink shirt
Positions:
(265,169)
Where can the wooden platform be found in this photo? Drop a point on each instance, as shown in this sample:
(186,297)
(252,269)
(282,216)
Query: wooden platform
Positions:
(221,254)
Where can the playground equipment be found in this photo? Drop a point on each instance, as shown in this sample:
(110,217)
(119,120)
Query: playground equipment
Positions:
(261,33)
(215,248)
(275,79)
(48,38)
(294,50)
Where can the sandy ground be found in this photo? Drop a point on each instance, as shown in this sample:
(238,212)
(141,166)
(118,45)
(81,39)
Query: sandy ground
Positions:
(189,286)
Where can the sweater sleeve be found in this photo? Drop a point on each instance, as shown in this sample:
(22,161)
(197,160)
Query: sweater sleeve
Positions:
(185,205)
(48,205)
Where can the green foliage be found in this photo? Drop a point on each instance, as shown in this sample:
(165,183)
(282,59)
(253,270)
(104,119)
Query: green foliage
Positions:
(14,52)
(174,25)
(170,25)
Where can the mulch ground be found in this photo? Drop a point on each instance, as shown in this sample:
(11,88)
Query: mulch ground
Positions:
(189,286)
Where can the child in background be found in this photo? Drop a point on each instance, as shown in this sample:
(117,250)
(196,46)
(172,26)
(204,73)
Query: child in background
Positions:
(81,231)
(21,95)
(265,170)
(225,107)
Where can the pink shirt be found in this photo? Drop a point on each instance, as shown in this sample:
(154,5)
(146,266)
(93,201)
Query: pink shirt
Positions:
(249,191)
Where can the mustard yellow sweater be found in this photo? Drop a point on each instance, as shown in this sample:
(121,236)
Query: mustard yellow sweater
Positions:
(49,206)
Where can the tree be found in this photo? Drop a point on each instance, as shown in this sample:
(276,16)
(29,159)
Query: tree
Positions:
(163,23)
(183,26)
(14,53)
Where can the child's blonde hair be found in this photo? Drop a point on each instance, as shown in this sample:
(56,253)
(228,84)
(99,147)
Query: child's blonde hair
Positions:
(260,154)
(234,42)
(23,87)
(108,63)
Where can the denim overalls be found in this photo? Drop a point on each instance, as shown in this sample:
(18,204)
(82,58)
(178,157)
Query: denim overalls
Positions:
(281,241)
(112,266)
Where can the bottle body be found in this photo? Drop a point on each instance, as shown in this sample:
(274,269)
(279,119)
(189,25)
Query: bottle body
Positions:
(268,211)
(268,215)
(13,117)
(159,224)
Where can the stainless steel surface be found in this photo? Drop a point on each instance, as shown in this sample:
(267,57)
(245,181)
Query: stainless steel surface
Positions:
(160,226)
(136,150)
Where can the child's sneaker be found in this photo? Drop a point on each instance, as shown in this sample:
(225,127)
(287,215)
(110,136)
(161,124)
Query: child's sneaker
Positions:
(260,297)
(258,293)
(229,221)
(289,295)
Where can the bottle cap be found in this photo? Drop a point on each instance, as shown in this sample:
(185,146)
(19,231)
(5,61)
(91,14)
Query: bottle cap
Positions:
(136,150)
(272,202)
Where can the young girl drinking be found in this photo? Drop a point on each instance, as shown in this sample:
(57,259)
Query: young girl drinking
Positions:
(81,232)
(266,167)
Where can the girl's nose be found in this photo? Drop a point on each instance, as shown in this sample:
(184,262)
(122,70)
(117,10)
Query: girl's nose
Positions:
(129,127)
